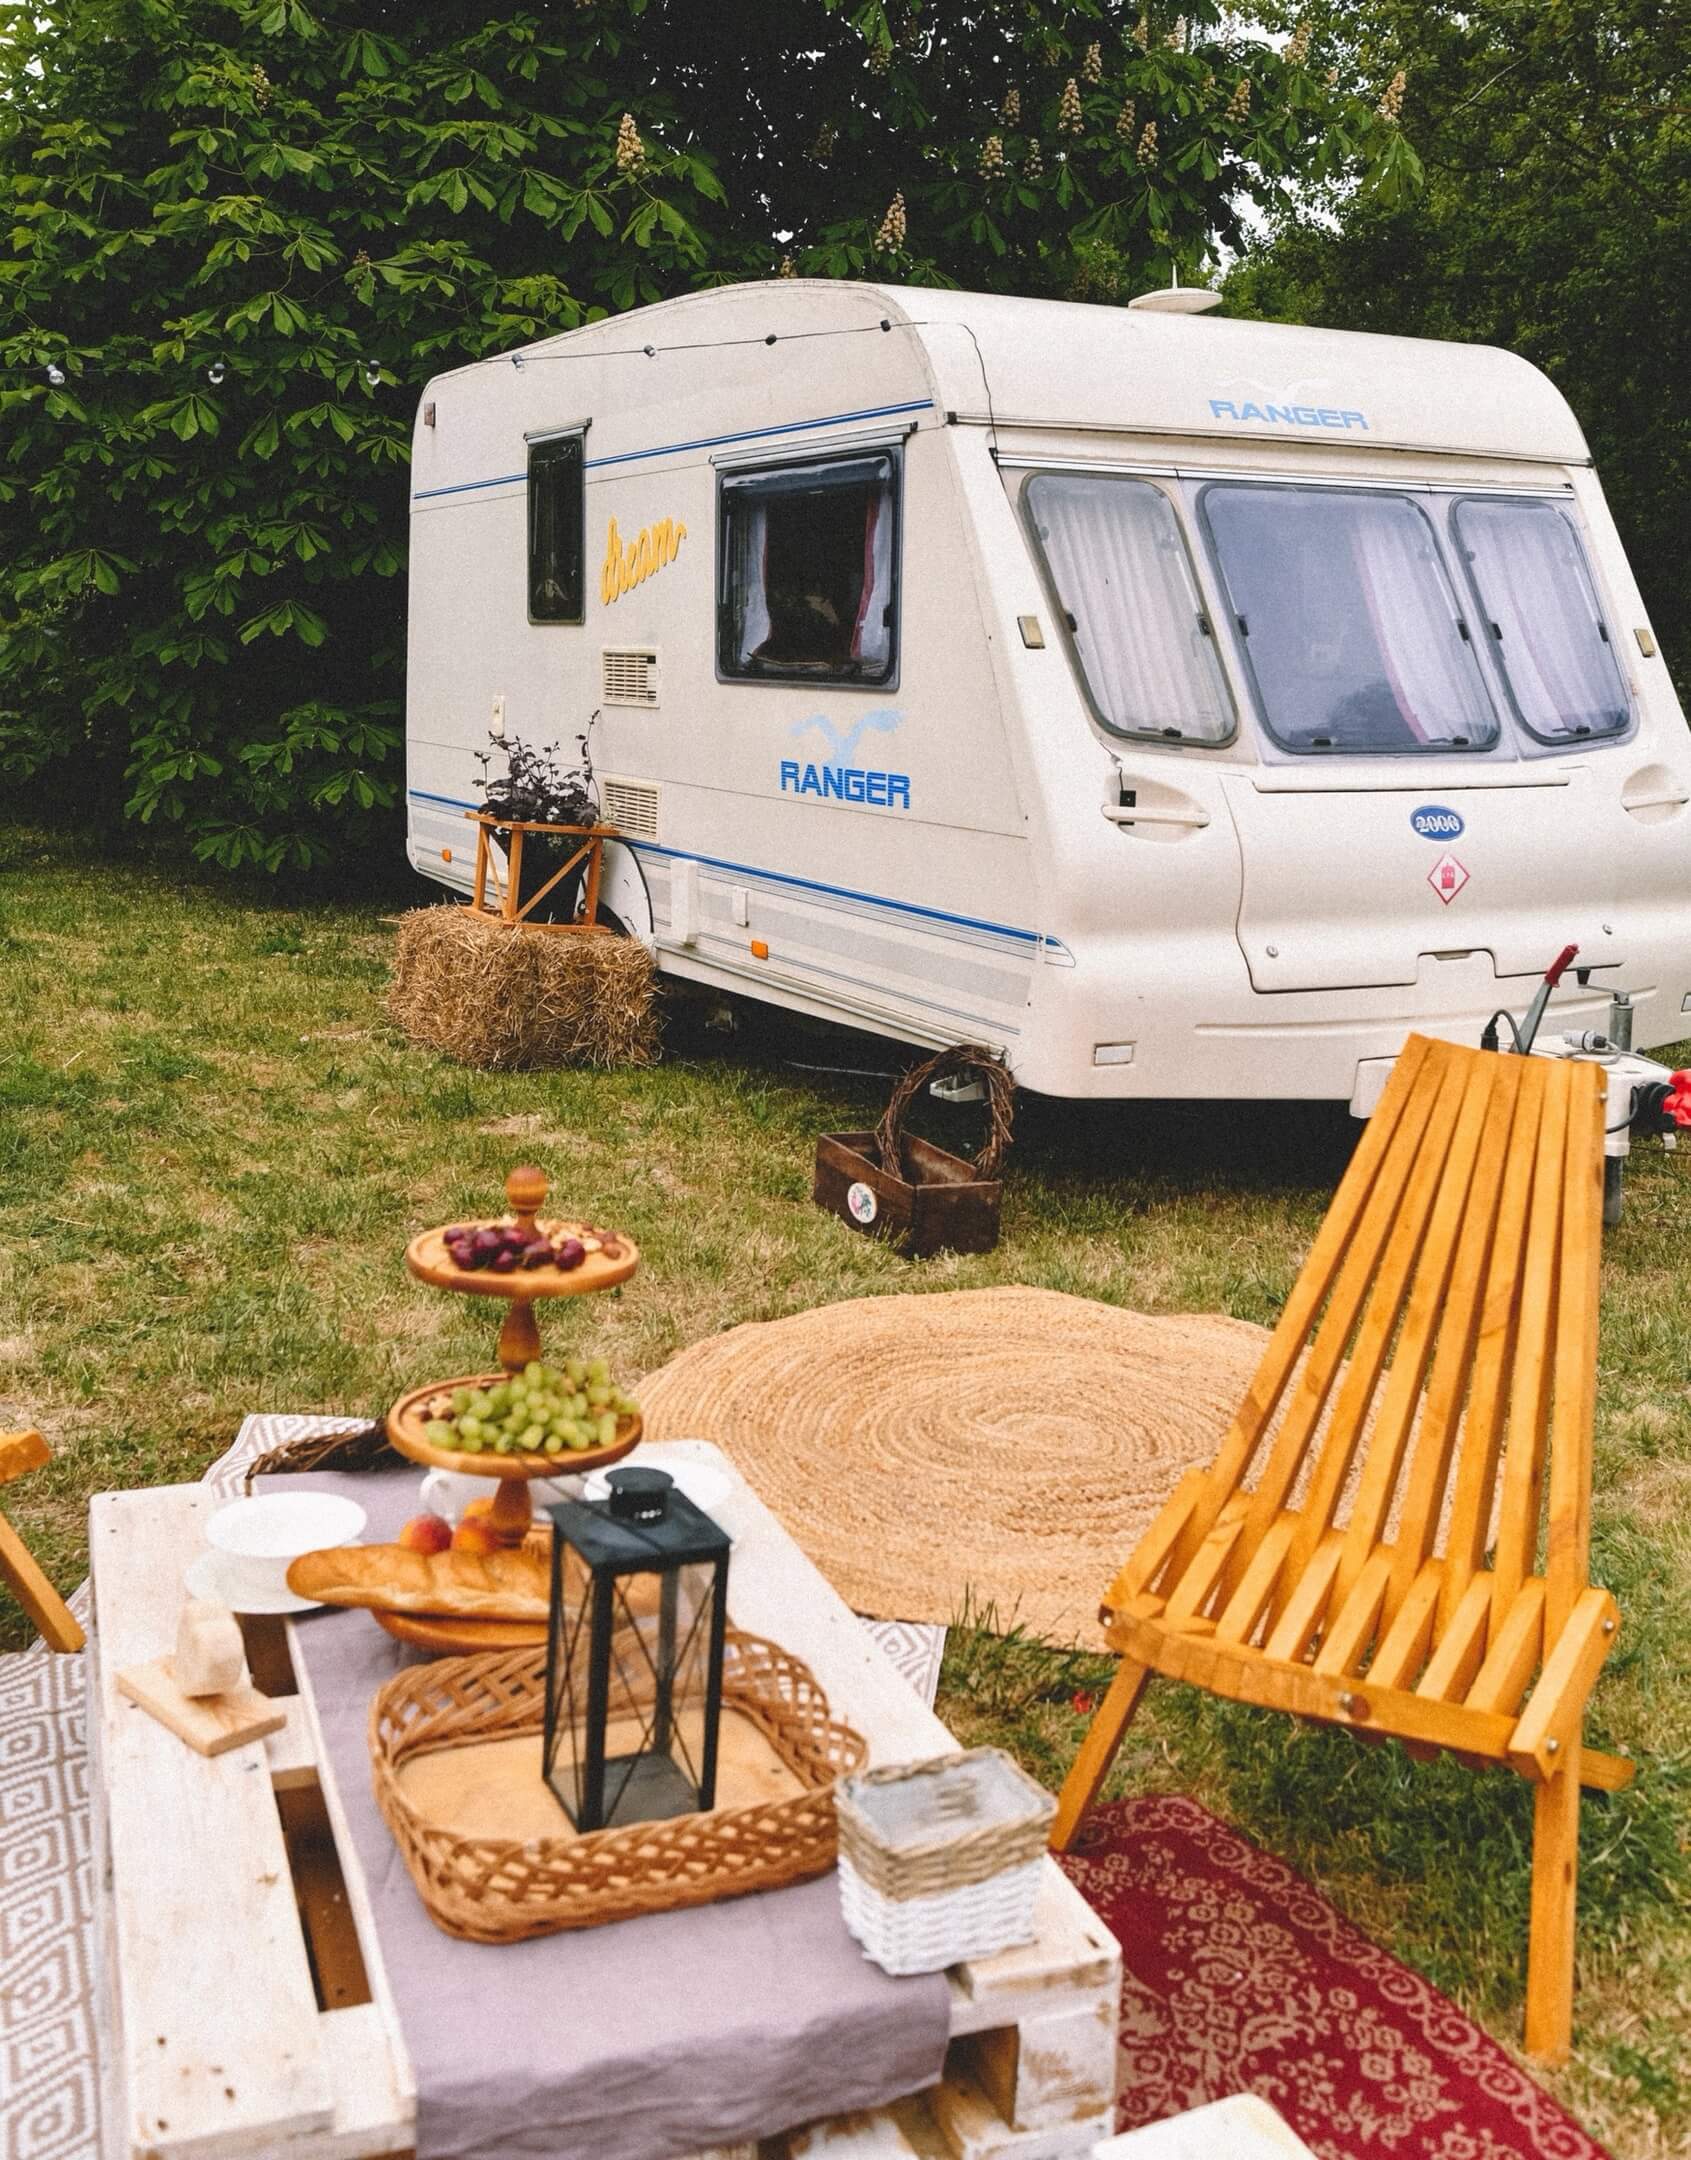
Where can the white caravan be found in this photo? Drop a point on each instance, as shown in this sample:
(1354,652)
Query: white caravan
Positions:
(1185,707)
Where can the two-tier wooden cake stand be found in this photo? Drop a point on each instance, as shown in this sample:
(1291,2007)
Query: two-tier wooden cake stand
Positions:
(610,1258)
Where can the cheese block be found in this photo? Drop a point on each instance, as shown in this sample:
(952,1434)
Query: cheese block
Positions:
(393,1578)
(211,1656)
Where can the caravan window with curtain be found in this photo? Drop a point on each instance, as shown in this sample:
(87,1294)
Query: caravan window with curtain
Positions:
(809,572)
(1348,620)
(1540,609)
(1124,581)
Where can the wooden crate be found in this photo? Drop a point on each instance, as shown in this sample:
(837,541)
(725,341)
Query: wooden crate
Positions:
(891,1184)
(948,1208)
(242,2009)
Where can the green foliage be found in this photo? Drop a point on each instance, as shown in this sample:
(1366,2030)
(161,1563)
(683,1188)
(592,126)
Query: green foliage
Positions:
(1555,220)
(245,235)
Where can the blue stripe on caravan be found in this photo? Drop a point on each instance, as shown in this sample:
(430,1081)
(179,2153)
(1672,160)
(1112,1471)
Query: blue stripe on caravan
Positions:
(780,877)
(702,442)
(463,487)
(839,892)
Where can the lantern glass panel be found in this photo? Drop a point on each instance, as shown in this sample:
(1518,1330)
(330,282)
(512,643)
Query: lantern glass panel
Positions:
(567,1690)
(658,1695)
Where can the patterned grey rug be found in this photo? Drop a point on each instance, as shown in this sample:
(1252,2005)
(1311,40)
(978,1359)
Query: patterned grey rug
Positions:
(49,2101)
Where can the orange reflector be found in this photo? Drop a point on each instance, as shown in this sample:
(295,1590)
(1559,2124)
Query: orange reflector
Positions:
(446,854)
(760,951)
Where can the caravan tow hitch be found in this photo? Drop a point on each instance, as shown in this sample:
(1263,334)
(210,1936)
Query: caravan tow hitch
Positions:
(1642,1095)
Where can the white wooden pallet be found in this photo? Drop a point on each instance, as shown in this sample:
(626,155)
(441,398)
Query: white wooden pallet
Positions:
(224,1884)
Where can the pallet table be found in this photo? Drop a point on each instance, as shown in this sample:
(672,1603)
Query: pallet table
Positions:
(242,2008)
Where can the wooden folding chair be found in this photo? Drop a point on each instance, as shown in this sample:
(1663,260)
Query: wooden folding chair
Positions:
(1442,1338)
(21,1451)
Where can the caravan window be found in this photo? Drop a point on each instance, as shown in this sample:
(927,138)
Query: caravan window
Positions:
(1123,579)
(556,517)
(809,572)
(1348,620)
(1537,601)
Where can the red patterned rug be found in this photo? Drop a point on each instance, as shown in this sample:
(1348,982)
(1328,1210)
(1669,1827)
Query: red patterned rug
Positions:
(1238,1976)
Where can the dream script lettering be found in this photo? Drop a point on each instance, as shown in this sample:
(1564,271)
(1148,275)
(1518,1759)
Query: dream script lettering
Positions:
(646,554)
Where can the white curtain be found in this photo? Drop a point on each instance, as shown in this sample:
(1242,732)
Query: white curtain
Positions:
(750,572)
(1120,568)
(871,640)
(1433,678)
(1534,586)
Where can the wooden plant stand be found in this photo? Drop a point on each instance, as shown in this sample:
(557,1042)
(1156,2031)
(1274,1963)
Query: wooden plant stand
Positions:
(506,892)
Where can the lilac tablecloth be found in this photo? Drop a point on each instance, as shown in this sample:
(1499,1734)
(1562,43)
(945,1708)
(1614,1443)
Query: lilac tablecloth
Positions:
(644,2040)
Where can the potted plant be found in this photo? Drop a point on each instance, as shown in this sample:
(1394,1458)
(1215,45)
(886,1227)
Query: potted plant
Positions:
(537,787)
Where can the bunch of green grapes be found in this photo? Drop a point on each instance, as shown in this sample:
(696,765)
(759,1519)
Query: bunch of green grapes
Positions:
(543,1410)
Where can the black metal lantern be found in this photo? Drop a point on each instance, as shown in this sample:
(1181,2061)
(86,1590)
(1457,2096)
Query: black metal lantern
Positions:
(639,1602)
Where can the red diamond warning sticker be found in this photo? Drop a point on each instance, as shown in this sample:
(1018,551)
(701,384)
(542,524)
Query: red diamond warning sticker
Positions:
(1447,878)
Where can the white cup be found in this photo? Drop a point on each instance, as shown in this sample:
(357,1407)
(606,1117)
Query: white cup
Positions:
(261,1537)
(449,1492)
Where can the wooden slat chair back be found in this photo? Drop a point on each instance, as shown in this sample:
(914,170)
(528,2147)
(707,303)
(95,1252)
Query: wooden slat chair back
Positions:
(19,1569)
(1435,1370)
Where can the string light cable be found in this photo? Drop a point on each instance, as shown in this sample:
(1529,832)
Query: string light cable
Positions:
(217,371)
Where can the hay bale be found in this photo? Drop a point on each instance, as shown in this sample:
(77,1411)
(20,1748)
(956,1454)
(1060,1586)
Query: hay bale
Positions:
(502,995)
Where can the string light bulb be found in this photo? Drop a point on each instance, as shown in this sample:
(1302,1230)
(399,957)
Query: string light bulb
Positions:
(372,372)
(216,373)
(55,375)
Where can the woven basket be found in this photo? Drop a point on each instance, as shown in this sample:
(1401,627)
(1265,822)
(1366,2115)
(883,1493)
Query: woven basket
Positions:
(917,1195)
(958,1875)
(502,1890)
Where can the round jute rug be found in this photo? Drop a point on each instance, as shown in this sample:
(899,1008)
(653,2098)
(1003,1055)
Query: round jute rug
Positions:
(975,1449)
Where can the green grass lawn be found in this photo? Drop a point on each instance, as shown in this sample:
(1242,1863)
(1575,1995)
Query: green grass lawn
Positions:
(212,1150)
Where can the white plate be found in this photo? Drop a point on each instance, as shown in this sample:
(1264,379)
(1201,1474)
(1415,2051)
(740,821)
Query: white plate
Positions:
(216,1576)
(278,1527)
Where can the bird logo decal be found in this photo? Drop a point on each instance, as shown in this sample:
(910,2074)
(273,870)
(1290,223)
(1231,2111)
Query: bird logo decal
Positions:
(843,741)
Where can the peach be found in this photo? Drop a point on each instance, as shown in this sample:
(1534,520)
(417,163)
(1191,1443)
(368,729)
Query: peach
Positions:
(426,1534)
(474,1537)
(475,1510)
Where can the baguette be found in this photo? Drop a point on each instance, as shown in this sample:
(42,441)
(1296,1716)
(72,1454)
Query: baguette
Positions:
(393,1578)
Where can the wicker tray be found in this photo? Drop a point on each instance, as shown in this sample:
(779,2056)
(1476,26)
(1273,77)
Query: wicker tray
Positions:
(507,1889)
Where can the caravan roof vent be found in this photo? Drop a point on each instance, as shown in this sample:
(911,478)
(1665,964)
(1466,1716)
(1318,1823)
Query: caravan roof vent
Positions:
(630,805)
(630,675)
(1177,300)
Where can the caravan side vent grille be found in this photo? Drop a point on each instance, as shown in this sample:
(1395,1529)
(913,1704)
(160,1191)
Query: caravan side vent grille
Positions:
(630,675)
(630,805)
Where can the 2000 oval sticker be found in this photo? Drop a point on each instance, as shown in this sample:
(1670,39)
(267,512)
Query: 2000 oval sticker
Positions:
(1434,821)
